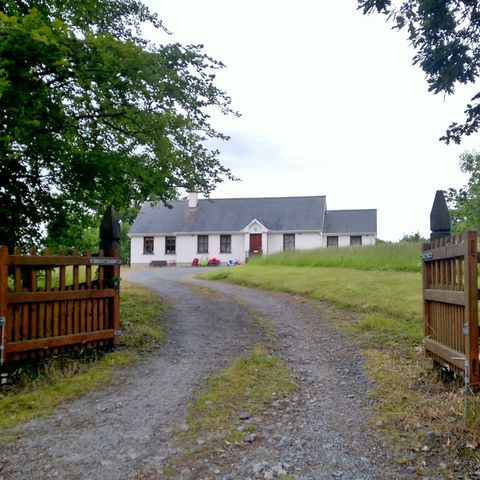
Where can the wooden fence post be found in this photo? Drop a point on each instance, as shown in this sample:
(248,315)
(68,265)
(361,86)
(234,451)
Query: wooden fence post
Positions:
(110,244)
(471,325)
(3,300)
(110,233)
(426,281)
(471,309)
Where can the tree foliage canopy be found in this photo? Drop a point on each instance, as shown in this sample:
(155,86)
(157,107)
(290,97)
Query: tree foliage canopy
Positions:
(413,237)
(446,37)
(92,114)
(464,203)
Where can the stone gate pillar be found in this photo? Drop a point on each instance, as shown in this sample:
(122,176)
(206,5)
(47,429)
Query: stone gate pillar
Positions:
(110,233)
(440,224)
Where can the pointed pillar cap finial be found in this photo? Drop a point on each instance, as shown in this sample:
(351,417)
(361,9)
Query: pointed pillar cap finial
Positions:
(440,223)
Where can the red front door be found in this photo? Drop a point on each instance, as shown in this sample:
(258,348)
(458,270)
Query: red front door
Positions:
(255,243)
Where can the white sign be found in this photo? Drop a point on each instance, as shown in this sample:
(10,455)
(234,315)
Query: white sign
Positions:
(105,261)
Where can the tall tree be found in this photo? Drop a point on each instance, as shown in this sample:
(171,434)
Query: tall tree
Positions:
(446,37)
(92,114)
(464,203)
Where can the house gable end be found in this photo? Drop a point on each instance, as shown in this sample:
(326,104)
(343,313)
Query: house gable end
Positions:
(255,226)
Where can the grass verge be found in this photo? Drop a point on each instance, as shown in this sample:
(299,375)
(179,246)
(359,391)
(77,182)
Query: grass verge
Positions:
(248,385)
(41,387)
(39,399)
(140,310)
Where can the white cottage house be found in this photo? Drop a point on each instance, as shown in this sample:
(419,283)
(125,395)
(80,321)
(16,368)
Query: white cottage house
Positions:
(235,228)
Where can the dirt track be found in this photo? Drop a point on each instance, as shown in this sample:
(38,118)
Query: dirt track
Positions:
(127,429)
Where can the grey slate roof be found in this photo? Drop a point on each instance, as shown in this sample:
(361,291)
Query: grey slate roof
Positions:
(232,215)
(351,221)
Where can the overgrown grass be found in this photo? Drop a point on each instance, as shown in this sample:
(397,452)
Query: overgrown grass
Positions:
(55,384)
(140,310)
(40,387)
(248,385)
(385,330)
(402,257)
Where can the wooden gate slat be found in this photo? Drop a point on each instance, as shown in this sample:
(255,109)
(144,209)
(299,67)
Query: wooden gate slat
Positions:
(445,296)
(39,344)
(452,356)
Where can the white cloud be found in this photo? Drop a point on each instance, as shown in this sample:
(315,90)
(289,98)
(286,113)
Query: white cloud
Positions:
(330,104)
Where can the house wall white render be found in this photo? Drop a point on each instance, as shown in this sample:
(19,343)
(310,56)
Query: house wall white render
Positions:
(368,240)
(275,243)
(306,241)
(186,249)
(186,246)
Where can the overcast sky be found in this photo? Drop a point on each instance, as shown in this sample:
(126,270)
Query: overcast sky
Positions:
(331,105)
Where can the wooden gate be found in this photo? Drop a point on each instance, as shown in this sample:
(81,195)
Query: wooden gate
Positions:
(450,297)
(51,303)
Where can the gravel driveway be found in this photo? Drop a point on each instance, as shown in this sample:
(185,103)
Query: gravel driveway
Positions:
(126,429)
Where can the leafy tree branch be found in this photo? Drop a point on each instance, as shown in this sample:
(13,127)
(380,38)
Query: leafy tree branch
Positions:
(446,37)
(92,114)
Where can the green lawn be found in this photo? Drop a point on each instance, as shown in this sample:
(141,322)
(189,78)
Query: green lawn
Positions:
(391,300)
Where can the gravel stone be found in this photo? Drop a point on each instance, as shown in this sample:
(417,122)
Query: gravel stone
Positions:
(127,429)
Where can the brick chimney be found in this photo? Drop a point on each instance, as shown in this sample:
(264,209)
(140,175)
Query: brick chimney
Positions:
(192,199)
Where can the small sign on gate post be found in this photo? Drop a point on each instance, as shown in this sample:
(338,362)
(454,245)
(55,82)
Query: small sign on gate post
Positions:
(105,261)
